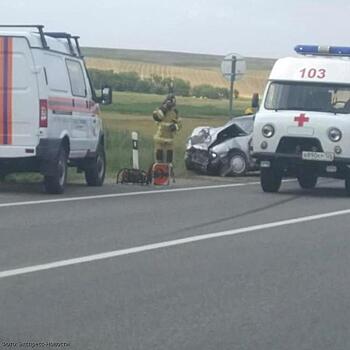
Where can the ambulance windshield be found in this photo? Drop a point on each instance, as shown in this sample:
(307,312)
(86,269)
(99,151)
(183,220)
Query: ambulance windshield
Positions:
(331,98)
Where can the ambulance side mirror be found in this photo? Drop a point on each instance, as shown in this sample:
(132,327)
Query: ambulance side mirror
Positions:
(106,95)
(255,100)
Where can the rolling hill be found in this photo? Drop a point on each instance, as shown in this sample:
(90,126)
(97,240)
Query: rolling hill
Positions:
(196,68)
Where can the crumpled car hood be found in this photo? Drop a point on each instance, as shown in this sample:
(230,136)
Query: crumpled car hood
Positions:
(203,137)
(205,144)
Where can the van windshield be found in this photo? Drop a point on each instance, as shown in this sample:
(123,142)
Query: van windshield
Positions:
(332,98)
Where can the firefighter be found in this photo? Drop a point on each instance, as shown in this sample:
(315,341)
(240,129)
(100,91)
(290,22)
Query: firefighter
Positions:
(169,122)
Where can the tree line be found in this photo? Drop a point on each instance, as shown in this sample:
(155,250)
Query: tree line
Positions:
(155,84)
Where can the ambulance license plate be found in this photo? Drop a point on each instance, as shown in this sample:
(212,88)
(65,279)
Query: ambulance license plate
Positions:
(318,156)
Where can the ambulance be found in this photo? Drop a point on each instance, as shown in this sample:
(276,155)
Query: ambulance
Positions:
(49,111)
(302,128)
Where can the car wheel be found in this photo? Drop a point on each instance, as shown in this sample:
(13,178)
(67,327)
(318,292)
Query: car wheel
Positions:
(55,184)
(270,179)
(96,171)
(236,165)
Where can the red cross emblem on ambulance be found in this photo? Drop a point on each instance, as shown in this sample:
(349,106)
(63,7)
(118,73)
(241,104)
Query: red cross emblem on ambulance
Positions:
(302,119)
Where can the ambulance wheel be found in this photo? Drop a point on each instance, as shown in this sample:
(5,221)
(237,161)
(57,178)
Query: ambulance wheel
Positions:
(307,180)
(270,180)
(96,171)
(55,184)
(347,185)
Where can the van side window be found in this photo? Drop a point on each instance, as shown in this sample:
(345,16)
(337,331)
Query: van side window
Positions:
(76,77)
(56,73)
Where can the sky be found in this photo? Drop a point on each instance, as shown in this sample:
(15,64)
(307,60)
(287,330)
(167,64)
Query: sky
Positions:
(269,28)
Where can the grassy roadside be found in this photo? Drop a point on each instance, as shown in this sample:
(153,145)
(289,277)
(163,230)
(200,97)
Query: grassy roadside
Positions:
(143,104)
(118,130)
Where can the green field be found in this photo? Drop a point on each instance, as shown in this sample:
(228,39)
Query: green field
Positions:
(144,104)
(133,112)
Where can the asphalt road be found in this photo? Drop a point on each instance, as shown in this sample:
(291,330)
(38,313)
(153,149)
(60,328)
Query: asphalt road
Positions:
(168,284)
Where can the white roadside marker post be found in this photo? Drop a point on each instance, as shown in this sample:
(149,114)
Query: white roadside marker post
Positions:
(135,150)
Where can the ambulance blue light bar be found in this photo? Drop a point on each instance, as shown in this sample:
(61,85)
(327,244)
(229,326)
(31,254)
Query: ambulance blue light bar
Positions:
(322,50)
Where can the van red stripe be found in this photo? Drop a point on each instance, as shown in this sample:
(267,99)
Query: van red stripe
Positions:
(64,104)
(10,90)
(6,90)
(1,90)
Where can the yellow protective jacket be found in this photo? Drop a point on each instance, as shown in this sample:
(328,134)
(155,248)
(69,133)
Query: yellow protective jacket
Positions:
(168,124)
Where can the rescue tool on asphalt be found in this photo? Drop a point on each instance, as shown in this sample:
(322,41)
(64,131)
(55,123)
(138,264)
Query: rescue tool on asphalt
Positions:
(49,115)
(302,128)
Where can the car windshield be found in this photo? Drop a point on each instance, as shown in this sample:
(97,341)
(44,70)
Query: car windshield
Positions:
(332,98)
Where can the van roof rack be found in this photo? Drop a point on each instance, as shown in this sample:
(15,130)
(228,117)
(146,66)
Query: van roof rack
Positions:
(40,28)
(69,37)
(56,35)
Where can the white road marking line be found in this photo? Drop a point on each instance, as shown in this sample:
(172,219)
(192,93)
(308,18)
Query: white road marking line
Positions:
(126,194)
(176,242)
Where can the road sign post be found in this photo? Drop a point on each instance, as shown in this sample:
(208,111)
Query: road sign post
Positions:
(233,68)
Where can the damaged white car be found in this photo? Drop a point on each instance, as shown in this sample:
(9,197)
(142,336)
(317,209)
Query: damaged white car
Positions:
(225,151)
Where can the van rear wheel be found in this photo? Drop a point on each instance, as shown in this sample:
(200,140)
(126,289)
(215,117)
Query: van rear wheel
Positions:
(54,184)
(96,171)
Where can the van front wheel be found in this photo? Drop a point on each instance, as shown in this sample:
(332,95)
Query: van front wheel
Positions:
(307,180)
(270,179)
(54,184)
(96,171)
(347,184)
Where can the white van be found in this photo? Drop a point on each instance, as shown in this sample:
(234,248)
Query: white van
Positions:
(48,108)
(302,128)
